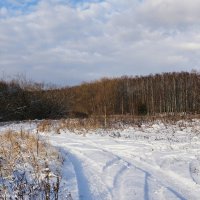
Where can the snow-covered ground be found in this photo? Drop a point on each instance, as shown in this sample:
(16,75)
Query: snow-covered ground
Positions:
(155,161)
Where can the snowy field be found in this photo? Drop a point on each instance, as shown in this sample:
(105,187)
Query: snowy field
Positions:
(156,161)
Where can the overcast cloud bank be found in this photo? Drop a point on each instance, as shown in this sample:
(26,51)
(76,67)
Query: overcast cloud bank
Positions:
(67,42)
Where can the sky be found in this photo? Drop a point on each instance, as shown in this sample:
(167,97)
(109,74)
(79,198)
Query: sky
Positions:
(67,42)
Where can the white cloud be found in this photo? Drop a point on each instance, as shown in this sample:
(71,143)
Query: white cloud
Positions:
(170,13)
(65,44)
(3,11)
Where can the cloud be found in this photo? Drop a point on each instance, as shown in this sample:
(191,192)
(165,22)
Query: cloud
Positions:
(66,42)
(169,13)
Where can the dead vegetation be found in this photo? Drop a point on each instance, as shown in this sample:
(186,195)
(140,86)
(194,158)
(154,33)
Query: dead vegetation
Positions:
(82,126)
(29,167)
(73,125)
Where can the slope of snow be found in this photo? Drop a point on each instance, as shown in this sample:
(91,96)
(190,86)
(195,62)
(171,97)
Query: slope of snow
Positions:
(151,162)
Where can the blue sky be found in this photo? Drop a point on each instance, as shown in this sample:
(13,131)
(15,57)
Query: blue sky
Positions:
(67,42)
(17,4)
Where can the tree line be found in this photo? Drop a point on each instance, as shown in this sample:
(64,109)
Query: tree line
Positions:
(159,94)
(32,101)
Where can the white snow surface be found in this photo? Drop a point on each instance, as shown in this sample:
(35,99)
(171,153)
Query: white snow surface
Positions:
(156,161)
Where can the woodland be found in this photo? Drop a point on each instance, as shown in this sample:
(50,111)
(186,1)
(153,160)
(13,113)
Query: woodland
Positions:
(176,93)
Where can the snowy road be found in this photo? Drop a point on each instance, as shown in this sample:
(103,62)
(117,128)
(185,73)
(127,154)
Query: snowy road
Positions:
(105,168)
(152,162)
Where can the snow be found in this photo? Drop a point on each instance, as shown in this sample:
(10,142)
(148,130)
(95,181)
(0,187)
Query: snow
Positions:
(156,161)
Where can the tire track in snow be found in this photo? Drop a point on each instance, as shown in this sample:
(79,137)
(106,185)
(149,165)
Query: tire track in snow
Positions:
(84,192)
(69,182)
(78,158)
(169,184)
(83,185)
(122,166)
(157,174)
(166,181)
(119,176)
(110,163)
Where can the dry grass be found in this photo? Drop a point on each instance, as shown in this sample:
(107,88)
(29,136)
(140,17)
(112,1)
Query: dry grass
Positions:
(44,126)
(80,124)
(83,126)
(26,163)
(73,125)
